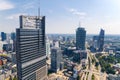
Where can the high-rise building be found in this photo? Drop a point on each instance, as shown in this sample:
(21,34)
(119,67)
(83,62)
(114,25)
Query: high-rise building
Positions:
(98,41)
(95,41)
(7,46)
(80,38)
(101,40)
(13,57)
(79,55)
(13,36)
(48,52)
(3,36)
(56,59)
(1,46)
(14,45)
(31,48)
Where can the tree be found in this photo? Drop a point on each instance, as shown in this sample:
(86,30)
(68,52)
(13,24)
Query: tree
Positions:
(15,78)
(93,77)
(78,78)
(10,77)
(97,64)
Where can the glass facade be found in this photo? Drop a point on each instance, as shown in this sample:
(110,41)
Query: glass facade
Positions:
(80,38)
(56,59)
(31,52)
(101,40)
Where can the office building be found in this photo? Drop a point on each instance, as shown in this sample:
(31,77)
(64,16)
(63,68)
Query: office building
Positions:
(56,43)
(79,55)
(98,42)
(13,36)
(48,52)
(13,57)
(14,45)
(31,48)
(1,46)
(113,77)
(3,36)
(80,38)
(56,59)
(95,41)
(101,40)
(7,47)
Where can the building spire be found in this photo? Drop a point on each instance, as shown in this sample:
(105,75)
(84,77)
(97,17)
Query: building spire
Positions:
(39,9)
(79,24)
(39,12)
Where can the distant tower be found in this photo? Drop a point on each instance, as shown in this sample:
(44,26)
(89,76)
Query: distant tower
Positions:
(56,59)
(80,38)
(3,36)
(101,40)
(13,35)
(48,52)
(95,42)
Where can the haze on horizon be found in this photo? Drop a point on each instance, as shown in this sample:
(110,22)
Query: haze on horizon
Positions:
(63,16)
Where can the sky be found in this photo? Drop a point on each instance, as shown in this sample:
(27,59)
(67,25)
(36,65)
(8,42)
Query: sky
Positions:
(64,16)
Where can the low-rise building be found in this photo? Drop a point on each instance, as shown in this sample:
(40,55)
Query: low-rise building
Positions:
(113,77)
(79,55)
(84,62)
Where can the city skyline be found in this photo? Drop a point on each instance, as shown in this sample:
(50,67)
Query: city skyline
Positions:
(59,40)
(64,16)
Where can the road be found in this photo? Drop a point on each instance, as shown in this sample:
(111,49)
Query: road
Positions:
(91,69)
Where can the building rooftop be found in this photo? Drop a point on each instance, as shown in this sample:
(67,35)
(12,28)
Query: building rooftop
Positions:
(79,51)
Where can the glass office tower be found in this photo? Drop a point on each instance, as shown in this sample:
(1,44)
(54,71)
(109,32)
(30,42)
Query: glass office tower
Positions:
(80,38)
(31,48)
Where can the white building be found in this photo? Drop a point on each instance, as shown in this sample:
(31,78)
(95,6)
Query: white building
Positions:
(113,77)
(56,44)
(48,52)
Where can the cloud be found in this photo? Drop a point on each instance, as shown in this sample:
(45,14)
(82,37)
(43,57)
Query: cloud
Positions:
(5,5)
(78,13)
(29,5)
(15,16)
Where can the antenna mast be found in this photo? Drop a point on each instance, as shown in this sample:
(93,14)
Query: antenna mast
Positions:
(39,9)
(79,24)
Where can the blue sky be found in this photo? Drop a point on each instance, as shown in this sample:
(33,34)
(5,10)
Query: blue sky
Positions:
(63,16)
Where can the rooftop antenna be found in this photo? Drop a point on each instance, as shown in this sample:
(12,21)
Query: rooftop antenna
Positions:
(39,10)
(79,24)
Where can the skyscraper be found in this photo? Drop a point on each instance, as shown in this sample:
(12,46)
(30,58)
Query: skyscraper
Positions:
(95,42)
(3,36)
(31,48)
(13,36)
(80,38)
(101,40)
(56,59)
(48,52)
